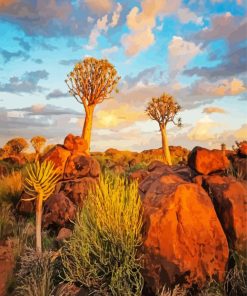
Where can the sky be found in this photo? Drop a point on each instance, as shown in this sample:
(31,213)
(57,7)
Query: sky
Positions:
(194,50)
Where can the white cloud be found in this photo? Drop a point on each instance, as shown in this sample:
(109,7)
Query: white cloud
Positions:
(181,52)
(204,130)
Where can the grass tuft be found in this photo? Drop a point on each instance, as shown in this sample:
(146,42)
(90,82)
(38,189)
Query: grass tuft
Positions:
(102,252)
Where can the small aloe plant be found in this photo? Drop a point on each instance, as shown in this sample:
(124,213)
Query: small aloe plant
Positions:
(40,184)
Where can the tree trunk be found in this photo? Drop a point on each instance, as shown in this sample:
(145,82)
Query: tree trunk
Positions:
(39,202)
(87,127)
(165,145)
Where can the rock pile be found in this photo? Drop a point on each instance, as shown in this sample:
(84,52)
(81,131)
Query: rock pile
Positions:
(79,173)
(193,216)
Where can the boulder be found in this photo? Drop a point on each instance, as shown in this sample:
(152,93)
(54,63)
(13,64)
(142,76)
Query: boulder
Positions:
(75,144)
(139,175)
(79,166)
(25,207)
(206,161)
(77,190)
(230,200)
(59,210)
(3,170)
(183,238)
(58,155)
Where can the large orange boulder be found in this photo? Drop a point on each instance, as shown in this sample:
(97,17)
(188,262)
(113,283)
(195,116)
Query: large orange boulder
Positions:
(58,155)
(183,238)
(230,199)
(75,144)
(206,161)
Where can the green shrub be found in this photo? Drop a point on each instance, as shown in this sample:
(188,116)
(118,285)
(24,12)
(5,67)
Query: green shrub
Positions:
(102,252)
(7,221)
(34,275)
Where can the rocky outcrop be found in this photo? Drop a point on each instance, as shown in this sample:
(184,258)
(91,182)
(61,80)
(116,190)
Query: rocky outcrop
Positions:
(75,144)
(183,238)
(59,210)
(230,200)
(58,155)
(206,161)
(79,173)
(139,175)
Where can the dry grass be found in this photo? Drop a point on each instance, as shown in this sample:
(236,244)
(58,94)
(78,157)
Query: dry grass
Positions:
(11,187)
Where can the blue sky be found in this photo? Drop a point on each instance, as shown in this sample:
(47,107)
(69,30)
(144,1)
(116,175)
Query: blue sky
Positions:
(194,50)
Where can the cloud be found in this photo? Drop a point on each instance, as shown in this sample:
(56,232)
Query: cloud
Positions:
(185,16)
(116,15)
(220,88)
(38,61)
(100,6)
(45,110)
(108,51)
(181,52)
(22,43)
(117,115)
(28,83)
(47,18)
(68,62)
(141,23)
(8,55)
(225,26)
(100,26)
(56,94)
(234,63)
(210,110)
(204,130)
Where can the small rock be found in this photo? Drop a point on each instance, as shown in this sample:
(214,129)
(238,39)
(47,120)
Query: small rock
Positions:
(64,233)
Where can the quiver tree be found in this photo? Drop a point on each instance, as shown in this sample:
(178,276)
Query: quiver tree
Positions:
(39,185)
(15,146)
(91,82)
(163,110)
(38,143)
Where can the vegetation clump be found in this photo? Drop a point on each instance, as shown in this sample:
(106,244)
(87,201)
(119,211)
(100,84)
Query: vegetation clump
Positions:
(102,252)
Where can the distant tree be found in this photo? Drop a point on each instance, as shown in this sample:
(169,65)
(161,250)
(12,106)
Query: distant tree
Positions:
(38,142)
(15,146)
(163,110)
(91,82)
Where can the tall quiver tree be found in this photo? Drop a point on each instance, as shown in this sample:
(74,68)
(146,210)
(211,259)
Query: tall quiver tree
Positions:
(91,82)
(38,143)
(164,110)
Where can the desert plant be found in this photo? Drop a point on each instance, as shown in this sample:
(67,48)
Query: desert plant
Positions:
(38,142)
(40,184)
(11,187)
(15,146)
(102,252)
(7,221)
(236,277)
(163,110)
(91,82)
(212,288)
(34,275)
(177,291)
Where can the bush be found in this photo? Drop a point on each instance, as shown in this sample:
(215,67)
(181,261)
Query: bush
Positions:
(177,291)
(236,278)
(11,187)
(7,220)
(102,252)
(34,275)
